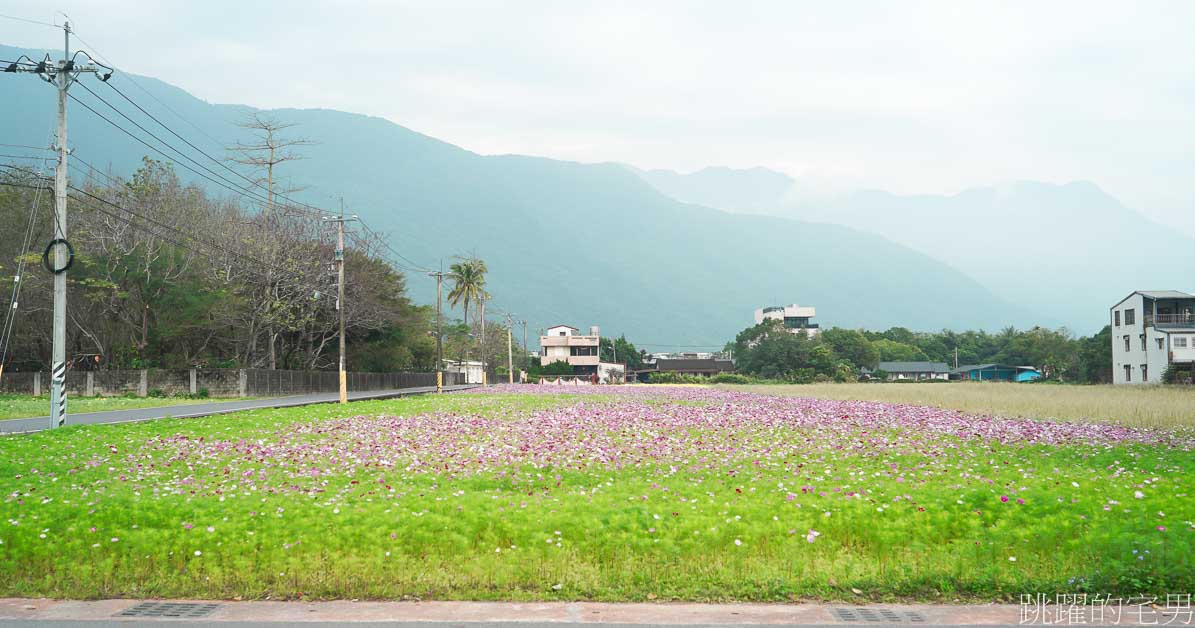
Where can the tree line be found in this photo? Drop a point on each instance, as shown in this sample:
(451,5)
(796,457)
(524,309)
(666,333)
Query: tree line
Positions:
(167,276)
(770,351)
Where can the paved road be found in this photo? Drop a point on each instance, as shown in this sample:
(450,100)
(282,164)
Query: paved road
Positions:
(440,614)
(116,623)
(36,424)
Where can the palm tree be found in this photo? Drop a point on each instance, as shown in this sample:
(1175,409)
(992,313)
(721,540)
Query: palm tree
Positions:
(468,283)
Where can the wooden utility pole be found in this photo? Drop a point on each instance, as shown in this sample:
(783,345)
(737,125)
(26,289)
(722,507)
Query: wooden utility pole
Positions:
(439,327)
(340,220)
(526,355)
(483,373)
(510,362)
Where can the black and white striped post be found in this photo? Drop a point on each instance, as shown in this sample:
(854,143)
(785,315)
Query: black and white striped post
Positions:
(58,395)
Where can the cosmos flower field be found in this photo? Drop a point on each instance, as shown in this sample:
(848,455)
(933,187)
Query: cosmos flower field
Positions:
(631,493)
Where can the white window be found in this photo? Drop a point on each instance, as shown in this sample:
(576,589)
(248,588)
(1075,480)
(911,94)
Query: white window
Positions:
(1128,373)
(1126,343)
(1180,342)
(1130,316)
(1145,372)
(1143,342)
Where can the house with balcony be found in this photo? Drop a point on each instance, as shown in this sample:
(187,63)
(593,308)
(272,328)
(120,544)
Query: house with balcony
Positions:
(563,343)
(797,319)
(1152,330)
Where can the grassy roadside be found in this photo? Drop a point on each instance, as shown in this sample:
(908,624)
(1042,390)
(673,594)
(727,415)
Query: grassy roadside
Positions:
(641,494)
(1139,406)
(24,406)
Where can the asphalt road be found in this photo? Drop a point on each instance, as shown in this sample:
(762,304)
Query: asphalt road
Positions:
(115,623)
(36,424)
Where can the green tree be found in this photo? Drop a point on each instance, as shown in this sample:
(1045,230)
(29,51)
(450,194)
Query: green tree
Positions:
(468,283)
(1095,357)
(623,350)
(895,351)
(851,345)
(771,351)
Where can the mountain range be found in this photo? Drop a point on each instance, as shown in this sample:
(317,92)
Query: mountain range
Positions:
(566,242)
(1064,252)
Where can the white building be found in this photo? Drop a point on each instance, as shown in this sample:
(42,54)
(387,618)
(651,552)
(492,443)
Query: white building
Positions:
(795,317)
(1151,329)
(563,343)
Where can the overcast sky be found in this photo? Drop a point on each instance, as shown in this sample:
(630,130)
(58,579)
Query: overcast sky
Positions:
(910,97)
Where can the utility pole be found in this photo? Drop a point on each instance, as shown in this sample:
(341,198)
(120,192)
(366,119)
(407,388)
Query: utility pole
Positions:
(526,355)
(510,360)
(62,75)
(483,373)
(439,327)
(340,220)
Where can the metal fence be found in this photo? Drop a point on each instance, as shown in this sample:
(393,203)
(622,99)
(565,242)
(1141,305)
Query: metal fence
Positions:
(217,382)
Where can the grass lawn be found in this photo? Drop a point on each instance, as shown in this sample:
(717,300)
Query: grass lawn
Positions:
(632,493)
(1141,406)
(24,406)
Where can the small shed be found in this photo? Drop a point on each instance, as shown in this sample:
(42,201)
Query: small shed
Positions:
(995,373)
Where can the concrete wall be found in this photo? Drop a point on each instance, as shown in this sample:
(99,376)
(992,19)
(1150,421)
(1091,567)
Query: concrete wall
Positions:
(1132,357)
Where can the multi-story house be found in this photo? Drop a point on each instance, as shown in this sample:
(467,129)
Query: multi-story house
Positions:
(795,317)
(1151,329)
(564,344)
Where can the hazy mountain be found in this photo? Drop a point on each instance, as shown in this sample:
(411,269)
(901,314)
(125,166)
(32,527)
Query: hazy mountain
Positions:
(1064,252)
(753,190)
(565,242)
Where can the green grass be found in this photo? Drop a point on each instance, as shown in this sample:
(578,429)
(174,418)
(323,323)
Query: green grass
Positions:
(24,406)
(437,527)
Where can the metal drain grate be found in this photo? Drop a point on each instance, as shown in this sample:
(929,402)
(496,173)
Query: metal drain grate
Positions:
(873,615)
(179,610)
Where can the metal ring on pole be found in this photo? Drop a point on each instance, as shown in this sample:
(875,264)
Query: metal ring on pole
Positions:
(70,260)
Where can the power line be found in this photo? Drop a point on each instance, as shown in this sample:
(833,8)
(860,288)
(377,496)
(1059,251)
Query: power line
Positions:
(188,142)
(26,146)
(415,267)
(225,184)
(10,316)
(33,157)
(130,78)
(194,238)
(25,19)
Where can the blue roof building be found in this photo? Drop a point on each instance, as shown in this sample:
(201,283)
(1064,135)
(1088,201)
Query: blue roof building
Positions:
(995,373)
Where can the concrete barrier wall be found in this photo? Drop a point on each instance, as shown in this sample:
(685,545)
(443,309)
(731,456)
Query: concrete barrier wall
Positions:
(217,382)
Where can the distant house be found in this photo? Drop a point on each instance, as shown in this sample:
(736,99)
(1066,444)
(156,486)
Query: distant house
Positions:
(703,367)
(995,373)
(563,343)
(1151,331)
(902,371)
(795,318)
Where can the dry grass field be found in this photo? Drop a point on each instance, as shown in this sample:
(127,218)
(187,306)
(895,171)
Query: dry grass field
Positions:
(1140,406)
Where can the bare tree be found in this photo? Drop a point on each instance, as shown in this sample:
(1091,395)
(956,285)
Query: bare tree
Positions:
(268,150)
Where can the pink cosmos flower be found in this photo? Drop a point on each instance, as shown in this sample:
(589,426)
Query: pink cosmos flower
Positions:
(812,536)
